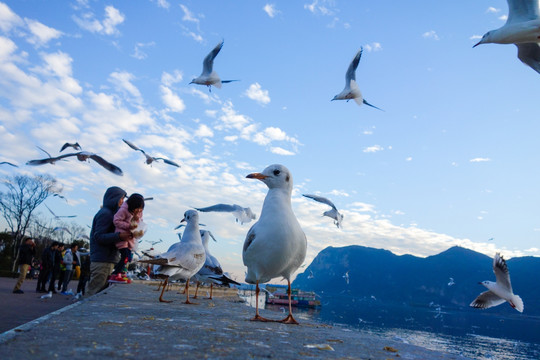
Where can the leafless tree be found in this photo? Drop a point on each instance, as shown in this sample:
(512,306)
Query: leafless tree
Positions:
(24,193)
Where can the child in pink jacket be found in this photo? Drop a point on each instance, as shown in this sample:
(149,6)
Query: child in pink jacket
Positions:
(125,220)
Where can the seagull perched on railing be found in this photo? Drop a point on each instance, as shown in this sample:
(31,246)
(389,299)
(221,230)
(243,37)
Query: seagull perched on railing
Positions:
(149,159)
(208,76)
(241,214)
(351,90)
(332,213)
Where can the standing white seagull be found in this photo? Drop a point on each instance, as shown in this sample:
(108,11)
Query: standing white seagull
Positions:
(184,259)
(522,28)
(499,291)
(332,213)
(351,90)
(208,76)
(275,245)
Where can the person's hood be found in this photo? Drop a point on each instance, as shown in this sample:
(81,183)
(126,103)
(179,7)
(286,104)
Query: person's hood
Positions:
(112,197)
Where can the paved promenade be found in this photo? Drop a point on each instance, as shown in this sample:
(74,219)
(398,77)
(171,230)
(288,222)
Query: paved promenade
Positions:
(128,322)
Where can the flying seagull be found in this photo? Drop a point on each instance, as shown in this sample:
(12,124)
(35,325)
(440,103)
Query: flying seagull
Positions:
(208,76)
(332,213)
(351,90)
(276,244)
(500,290)
(75,146)
(149,159)
(81,156)
(241,214)
(59,216)
(346,277)
(522,28)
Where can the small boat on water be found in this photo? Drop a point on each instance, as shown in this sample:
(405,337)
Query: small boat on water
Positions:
(298,298)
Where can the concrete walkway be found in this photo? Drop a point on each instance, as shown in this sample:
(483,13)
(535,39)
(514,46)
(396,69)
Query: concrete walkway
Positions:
(128,322)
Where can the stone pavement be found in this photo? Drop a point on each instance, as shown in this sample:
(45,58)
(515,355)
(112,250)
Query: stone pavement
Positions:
(128,322)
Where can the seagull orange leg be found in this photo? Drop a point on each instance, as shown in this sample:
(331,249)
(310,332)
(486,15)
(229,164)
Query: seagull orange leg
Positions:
(163,290)
(159,285)
(289,319)
(211,287)
(257,316)
(196,290)
(187,294)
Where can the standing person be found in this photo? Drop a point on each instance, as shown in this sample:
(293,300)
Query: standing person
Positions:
(126,219)
(70,260)
(56,267)
(47,263)
(26,252)
(103,252)
(85,274)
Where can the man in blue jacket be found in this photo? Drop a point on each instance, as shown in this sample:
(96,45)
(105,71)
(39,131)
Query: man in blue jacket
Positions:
(103,252)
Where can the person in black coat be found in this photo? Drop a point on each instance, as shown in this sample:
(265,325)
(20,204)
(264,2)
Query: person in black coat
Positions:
(56,267)
(27,252)
(47,264)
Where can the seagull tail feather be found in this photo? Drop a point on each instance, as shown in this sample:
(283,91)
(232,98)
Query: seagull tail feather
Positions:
(517,303)
(373,106)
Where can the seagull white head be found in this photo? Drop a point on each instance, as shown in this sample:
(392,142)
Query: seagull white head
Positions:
(190,216)
(274,176)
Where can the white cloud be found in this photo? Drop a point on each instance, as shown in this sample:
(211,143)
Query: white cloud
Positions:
(270,10)
(315,8)
(503,17)
(280,151)
(372,149)
(491,9)
(204,131)
(476,37)
(188,15)
(255,92)
(41,34)
(113,17)
(374,46)
(138,52)
(169,79)
(480,159)
(163,3)
(408,158)
(8,19)
(122,81)
(173,102)
(430,35)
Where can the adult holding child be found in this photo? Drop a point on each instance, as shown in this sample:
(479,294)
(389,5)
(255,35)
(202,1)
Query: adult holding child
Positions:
(103,238)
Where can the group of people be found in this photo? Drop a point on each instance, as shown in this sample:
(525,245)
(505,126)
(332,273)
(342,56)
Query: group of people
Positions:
(115,228)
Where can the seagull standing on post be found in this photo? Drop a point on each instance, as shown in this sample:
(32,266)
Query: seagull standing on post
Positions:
(276,244)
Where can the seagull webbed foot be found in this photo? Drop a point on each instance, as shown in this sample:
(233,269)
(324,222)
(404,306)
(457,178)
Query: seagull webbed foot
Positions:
(289,320)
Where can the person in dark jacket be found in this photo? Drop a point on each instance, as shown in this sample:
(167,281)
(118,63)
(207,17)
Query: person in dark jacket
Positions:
(27,252)
(56,267)
(47,263)
(103,252)
(85,274)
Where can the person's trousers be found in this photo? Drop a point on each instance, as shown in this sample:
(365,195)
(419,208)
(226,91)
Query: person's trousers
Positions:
(99,274)
(42,279)
(23,269)
(67,278)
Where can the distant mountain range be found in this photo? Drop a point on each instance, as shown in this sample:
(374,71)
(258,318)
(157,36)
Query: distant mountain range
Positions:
(449,279)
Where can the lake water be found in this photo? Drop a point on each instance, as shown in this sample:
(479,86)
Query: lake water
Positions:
(477,335)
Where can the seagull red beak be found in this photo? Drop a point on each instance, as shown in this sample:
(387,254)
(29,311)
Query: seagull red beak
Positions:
(257,176)
(184,219)
(478,43)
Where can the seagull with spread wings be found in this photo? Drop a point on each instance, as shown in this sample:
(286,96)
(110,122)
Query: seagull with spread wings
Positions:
(57,217)
(351,90)
(241,214)
(7,163)
(149,159)
(332,213)
(208,76)
(75,146)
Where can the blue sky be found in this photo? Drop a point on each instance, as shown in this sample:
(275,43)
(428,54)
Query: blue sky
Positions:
(452,160)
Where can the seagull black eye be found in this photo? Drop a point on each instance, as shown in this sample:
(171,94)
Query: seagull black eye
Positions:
(276,172)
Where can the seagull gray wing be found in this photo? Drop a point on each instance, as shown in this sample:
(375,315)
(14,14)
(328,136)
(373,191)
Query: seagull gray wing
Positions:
(486,300)
(167,161)
(49,160)
(49,155)
(351,71)
(133,146)
(522,10)
(76,146)
(320,199)
(501,272)
(208,62)
(8,163)
(220,208)
(529,54)
(107,165)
